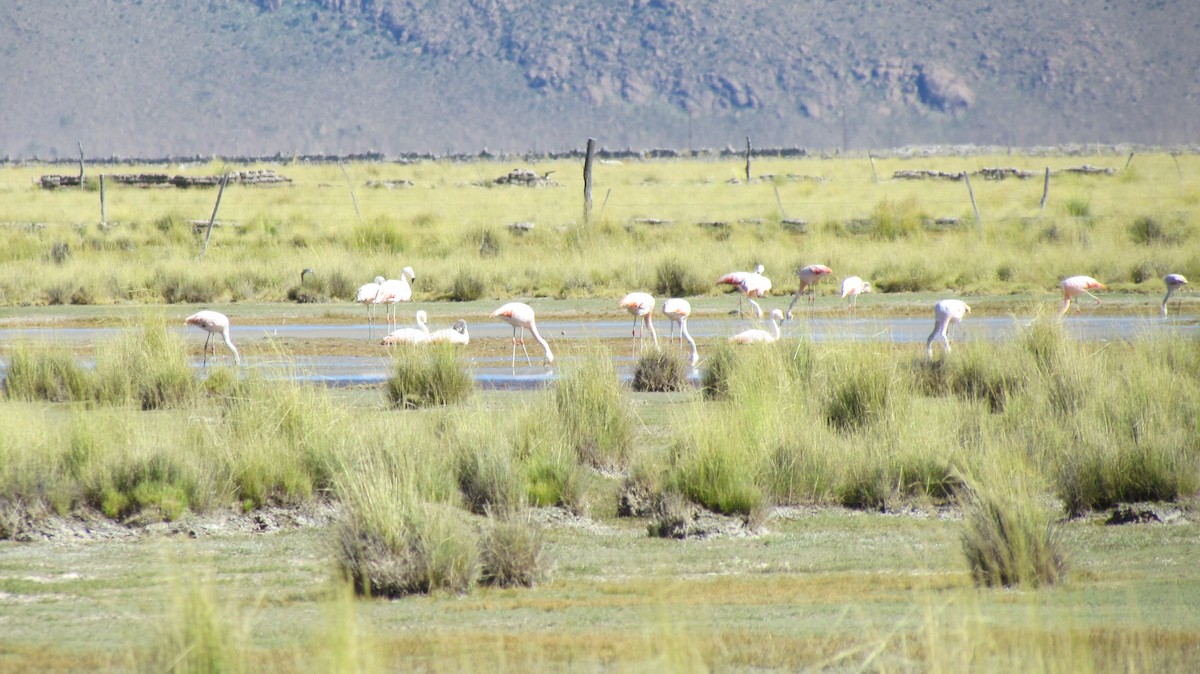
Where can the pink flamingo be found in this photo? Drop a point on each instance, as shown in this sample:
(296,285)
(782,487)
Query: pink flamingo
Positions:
(641,305)
(394,291)
(852,287)
(751,284)
(757,336)
(366,297)
(520,316)
(945,312)
(809,276)
(1074,287)
(678,310)
(1174,282)
(213,322)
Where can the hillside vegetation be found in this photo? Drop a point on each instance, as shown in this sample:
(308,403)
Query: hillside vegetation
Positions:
(266,76)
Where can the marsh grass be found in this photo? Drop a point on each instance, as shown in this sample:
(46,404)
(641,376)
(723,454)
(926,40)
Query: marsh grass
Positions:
(490,479)
(594,412)
(661,371)
(47,372)
(513,552)
(426,377)
(200,634)
(1009,540)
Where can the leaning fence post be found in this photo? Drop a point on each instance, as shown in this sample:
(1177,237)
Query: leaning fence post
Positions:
(874,175)
(207,234)
(82,185)
(350,185)
(1046,189)
(971,192)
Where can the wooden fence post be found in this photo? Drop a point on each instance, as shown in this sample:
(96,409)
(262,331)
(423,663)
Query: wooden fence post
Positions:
(747,160)
(874,175)
(1046,189)
(587,181)
(82,184)
(1127,161)
(357,213)
(978,220)
(207,234)
(103,208)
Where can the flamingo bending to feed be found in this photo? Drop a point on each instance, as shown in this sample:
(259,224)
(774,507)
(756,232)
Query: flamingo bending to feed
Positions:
(1174,282)
(366,296)
(852,287)
(751,284)
(394,291)
(213,322)
(757,336)
(945,312)
(417,335)
(1074,287)
(520,317)
(678,310)
(641,306)
(454,335)
(809,276)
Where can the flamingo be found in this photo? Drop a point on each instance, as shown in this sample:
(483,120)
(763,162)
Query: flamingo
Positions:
(366,296)
(809,276)
(641,305)
(455,335)
(417,335)
(945,312)
(520,316)
(852,287)
(1174,282)
(213,322)
(751,284)
(1074,287)
(394,291)
(678,310)
(757,336)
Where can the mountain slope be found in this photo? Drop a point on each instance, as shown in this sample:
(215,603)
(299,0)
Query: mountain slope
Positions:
(264,76)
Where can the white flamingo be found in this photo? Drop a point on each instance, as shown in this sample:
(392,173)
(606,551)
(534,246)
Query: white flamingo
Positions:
(366,297)
(1174,282)
(394,291)
(213,322)
(945,312)
(757,336)
(417,335)
(678,310)
(641,306)
(520,316)
(454,335)
(852,287)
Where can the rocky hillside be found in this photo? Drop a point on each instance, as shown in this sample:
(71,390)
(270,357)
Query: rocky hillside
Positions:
(263,76)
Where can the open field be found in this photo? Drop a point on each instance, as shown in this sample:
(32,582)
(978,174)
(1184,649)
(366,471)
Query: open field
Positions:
(830,506)
(452,225)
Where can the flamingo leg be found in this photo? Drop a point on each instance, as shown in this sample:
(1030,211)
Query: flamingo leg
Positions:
(528,361)
(206,349)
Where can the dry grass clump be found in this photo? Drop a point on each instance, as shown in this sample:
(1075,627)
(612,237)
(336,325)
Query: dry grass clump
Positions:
(199,634)
(660,371)
(46,372)
(1008,540)
(513,552)
(594,413)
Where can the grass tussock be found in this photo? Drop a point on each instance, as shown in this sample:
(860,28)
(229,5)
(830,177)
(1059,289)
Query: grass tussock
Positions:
(513,552)
(428,377)
(595,414)
(1009,541)
(660,371)
(200,634)
(47,372)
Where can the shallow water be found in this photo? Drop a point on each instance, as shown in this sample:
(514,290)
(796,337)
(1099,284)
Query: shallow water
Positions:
(493,372)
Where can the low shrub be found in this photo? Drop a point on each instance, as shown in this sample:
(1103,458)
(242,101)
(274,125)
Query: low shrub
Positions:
(466,287)
(674,278)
